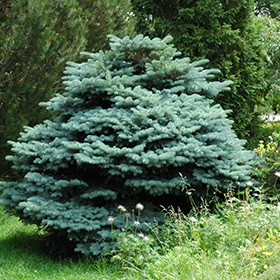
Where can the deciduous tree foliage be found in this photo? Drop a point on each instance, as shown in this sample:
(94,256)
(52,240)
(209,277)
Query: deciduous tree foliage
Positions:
(269,8)
(225,33)
(271,39)
(132,119)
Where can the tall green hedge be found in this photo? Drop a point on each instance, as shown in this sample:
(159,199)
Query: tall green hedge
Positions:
(225,33)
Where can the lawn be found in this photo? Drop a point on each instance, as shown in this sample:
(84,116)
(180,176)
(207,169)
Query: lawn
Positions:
(22,257)
(240,240)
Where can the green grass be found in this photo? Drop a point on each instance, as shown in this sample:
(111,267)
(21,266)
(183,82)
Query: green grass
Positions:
(241,240)
(22,257)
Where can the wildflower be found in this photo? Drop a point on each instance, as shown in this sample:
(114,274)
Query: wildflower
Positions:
(277,174)
(146,238)
(111,219)
(268,254)
(141,235)
(249,184)
(136,223)
(127,215)
(193,219)
(270,138)
(139,207)
(120,207)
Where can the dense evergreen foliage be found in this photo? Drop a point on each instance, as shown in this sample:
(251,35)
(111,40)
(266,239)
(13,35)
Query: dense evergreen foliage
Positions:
(106,17)
(37,38)
(32,43)
(225,33)
(130,121)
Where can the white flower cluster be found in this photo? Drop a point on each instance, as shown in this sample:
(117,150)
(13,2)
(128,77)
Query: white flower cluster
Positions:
(121,208)
(142,235)
(139,207)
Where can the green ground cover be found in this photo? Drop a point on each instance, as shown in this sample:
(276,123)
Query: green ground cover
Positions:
(22,257)
(240,240)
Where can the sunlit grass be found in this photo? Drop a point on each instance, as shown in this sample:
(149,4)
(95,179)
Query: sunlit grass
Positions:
(240,240)
(22,257)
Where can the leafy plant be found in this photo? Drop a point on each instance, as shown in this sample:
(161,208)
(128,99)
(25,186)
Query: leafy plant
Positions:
(240,241)
(268,170)
(135,251)
(246,247)
(268,129)
(270,28)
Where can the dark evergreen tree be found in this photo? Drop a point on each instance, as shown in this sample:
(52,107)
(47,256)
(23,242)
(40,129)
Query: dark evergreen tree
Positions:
(37,38)
(130,121)
(106,17)
(225,33)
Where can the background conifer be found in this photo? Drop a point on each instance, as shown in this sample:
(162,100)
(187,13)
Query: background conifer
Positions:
(37,38)
(225,32)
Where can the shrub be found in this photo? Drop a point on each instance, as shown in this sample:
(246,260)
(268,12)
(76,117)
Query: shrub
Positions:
(268,129)
(131,119)
(268,170)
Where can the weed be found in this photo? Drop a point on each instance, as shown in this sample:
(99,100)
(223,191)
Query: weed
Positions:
(268,170)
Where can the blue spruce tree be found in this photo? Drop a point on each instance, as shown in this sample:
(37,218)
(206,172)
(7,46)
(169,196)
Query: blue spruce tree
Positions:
(130,121)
